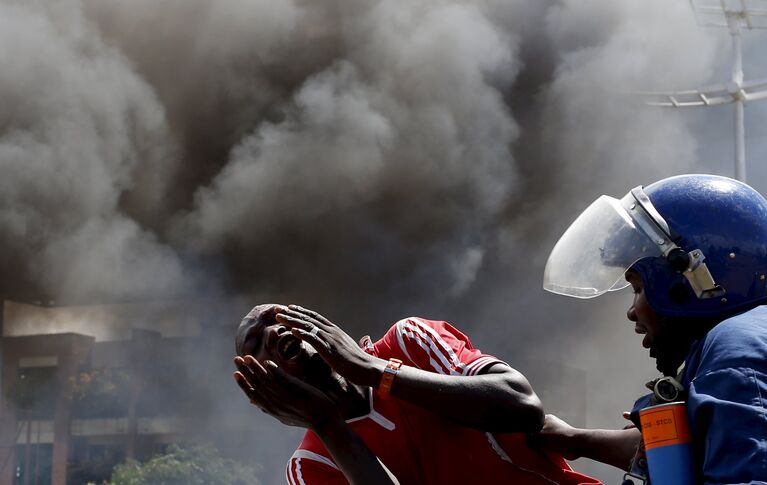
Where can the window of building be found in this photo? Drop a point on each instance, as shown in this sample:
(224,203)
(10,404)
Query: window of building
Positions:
(35,392)
(33,464)
(93,462)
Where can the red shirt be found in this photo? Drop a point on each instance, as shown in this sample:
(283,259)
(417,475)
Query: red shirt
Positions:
(421,447)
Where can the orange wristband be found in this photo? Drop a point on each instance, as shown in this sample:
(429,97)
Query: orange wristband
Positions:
(387,379)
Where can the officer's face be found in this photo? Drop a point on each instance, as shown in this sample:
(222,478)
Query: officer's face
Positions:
(645,319)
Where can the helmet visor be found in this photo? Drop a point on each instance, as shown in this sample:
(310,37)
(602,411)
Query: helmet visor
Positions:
(593,254)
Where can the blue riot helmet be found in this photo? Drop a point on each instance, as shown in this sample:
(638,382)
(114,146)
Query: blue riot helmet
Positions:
(699,243)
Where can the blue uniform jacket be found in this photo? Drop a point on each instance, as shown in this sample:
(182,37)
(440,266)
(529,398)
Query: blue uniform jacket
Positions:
(726,378)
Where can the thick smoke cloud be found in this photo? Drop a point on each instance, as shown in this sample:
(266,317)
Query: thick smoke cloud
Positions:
(77,123)
(386,167)
(350,145)
(374,158)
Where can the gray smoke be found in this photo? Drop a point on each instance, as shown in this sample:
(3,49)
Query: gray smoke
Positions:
(351,145)
(373,158)
(384,169)
(77,122)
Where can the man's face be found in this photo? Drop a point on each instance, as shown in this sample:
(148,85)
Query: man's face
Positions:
(261,336)
(644,317)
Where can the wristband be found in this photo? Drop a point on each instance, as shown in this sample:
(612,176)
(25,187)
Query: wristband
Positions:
(387,379)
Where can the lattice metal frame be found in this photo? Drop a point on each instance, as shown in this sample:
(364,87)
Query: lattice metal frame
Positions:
(751,14)
(735,15)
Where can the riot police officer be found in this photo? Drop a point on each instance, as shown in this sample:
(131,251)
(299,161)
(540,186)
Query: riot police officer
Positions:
(694,250)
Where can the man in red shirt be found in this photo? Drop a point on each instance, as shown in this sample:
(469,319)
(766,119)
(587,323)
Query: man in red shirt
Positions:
(419,406)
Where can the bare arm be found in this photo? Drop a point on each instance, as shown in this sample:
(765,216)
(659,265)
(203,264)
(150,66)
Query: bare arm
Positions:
(499,400)
(296,403)
(358,464)
(614,447)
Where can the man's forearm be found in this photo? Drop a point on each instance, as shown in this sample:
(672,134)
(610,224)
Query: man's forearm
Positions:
(500,401)
(358,464)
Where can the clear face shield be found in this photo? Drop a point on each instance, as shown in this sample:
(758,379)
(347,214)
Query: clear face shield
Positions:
(608,237)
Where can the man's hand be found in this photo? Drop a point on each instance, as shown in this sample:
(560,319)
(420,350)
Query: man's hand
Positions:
(281,395)
(298,404)
(335,346)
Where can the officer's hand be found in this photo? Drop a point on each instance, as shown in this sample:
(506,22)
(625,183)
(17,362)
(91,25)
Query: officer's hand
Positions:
(335,346)
(558,436)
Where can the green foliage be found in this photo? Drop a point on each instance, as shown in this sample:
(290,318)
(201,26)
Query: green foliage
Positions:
(196,465)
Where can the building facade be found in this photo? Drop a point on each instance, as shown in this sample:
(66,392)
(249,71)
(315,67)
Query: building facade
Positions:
(73,407)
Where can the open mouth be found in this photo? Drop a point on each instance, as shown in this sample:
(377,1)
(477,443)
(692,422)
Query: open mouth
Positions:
(288,347)
(640,330)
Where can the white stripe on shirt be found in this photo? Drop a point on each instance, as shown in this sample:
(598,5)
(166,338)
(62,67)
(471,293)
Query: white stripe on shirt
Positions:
(314,456)
(297,477)
(401,341)
(419,340)
(439,340)
(476,366)
(435,343)
(289,472)
(299,474)
(505,457)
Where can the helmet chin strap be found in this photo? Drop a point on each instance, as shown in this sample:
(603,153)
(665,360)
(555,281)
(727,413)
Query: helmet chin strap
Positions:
(674,338)
(670,347)
(690,264)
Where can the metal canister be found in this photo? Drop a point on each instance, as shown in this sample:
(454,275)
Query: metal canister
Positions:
(668,444)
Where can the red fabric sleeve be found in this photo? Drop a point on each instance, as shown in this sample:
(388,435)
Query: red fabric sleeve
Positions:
(434,346)
(308,468)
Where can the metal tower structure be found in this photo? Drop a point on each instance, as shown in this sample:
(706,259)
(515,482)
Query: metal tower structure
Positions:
(735,15)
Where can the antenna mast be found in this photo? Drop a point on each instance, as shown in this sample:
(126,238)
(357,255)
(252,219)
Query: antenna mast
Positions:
(735,15)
